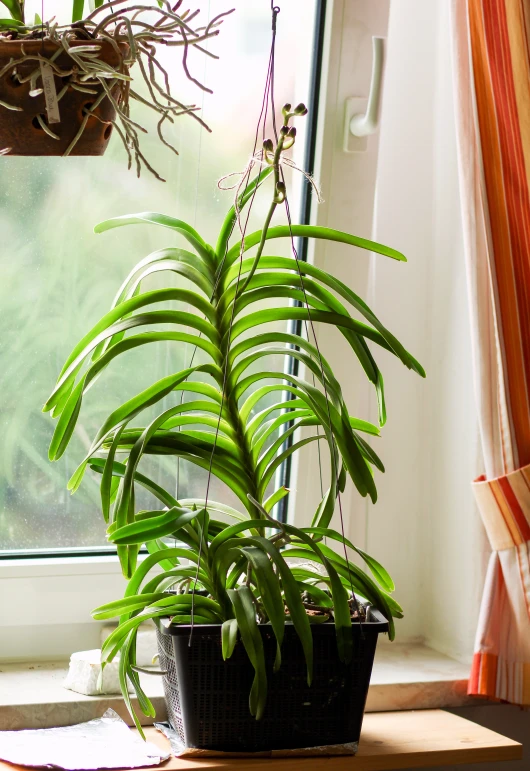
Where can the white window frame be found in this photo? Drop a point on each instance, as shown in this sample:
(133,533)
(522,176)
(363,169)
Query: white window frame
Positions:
(425,528)
(45,603)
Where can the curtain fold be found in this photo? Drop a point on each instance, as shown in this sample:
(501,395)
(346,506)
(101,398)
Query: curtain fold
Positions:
(492,81)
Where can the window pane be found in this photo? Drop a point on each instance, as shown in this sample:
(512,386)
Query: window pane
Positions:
(58,278)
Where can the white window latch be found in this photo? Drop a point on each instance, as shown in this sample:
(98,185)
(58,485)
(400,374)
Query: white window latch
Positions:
(361,115)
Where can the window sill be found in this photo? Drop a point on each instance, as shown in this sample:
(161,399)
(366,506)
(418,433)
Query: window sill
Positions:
(404,677)
(409,676)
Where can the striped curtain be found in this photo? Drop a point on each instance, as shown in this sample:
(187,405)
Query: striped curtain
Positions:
(492,83)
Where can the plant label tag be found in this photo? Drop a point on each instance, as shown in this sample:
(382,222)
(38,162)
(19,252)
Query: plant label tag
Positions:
(50,93)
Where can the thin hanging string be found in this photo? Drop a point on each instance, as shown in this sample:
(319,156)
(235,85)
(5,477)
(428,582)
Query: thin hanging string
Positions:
(333,448)
(275,10)
(268,98)
(243,229)
(295,254)
(310,320)
(197,177)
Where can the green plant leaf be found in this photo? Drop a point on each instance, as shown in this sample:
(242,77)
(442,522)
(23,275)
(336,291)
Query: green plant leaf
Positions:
(313,231)
(77,10)
(379,572)
(268,315)
(294,603)
(126,605)
(179,266)
(10,23)
(107,476)
(15,9)
(270,427)
(271,596)
(279,459)
(154,218)
(123,672)
(228,637)
(165,524)
(250,636)
(307,269)
(273,499)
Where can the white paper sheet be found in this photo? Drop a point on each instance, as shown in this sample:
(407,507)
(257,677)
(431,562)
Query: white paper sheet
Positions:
(105,742)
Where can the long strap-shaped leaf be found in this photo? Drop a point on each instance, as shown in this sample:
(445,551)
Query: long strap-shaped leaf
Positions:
(165,524)
(331,383)
(312,231)
(262,278)
(69,410)
(268,315)
(357,467)
(155,317)
(153,218)
(270,595)
(135,456)
(193,261)
(379,572)
(246,620)
(129,410)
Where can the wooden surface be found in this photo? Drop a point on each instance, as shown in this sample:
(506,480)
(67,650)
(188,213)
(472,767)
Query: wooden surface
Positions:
(389,740)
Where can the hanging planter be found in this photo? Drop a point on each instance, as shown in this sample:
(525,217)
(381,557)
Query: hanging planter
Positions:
(266,630)
(64,90)
(86,114)
(258,619)
(207,697)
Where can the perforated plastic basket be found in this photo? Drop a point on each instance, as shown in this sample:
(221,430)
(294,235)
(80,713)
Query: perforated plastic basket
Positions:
(207,698)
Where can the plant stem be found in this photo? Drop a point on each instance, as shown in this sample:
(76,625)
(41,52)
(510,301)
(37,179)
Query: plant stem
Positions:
(274,204)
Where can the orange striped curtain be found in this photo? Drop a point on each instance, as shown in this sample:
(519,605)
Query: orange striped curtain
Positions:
(492,79)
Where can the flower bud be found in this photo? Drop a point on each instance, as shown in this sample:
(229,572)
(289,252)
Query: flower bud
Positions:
(289,139)
(280,193)
(268,151)
(300,109)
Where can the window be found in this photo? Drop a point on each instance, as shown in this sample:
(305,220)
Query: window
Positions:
(58,278)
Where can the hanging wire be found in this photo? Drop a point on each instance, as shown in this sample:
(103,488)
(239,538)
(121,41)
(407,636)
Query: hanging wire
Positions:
(334,446)
(262,120)
(267,101)
(197,178)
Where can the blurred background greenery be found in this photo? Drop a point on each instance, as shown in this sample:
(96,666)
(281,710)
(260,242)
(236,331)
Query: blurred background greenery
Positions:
(57,278)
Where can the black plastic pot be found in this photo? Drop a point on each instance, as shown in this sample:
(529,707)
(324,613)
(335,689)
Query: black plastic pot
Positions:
(207,698)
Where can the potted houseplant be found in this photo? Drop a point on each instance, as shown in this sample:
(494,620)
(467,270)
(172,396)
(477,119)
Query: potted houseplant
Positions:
(64,88)
(256,618)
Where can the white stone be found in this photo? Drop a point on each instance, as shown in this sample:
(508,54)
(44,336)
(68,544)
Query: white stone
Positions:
(84,672)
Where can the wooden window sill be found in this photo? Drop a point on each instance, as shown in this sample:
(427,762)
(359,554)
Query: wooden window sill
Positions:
(389,740)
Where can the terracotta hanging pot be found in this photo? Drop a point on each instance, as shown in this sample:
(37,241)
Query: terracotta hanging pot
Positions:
(21,131)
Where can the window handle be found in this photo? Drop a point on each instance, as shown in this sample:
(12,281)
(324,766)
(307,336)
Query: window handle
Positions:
(362,125)
(361,115)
